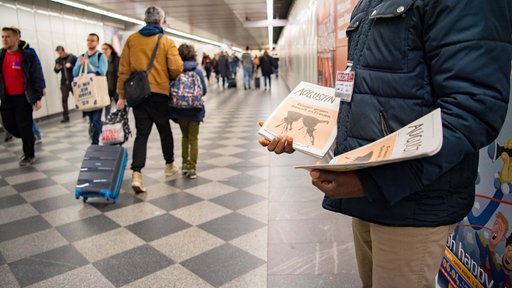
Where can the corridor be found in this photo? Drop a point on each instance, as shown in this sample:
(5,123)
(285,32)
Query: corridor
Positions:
(249,220)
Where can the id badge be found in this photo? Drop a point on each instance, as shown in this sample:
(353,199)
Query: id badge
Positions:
(345,83)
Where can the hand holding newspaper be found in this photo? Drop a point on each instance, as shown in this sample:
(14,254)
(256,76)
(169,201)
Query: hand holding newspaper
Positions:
(423,137)
(308,114)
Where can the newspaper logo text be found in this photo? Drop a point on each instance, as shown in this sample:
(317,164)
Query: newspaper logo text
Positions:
(315,95)
(414,140)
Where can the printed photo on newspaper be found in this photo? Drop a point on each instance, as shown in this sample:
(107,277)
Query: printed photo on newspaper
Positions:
(308,114)
(421,138)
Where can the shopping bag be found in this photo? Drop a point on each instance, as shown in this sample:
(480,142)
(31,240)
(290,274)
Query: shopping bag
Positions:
(90,91)
(116,129)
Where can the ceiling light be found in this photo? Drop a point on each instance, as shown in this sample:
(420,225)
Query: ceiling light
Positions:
(270,14)
(136,21)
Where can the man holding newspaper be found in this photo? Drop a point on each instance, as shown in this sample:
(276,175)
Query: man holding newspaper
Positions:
(409,58)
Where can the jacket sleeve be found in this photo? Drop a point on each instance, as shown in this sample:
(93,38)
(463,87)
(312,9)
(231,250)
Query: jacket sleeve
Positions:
(201,77)
(55,67)
(76,69)
(102,65)
(36,78)
(123,69)
(467,46)
(174,62)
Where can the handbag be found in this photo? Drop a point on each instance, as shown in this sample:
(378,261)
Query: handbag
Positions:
(90,91)
(116,129)
(136,87)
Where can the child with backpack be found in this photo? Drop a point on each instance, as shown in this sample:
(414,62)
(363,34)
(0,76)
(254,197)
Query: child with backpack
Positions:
(187,107)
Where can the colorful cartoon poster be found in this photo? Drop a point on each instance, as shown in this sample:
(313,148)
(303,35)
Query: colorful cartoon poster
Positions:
(479,253)
(326,22)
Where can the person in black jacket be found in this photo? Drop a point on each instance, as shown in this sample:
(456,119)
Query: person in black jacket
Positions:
(21,90)
(409,58)
(65,63)
(112,70)
(267,65)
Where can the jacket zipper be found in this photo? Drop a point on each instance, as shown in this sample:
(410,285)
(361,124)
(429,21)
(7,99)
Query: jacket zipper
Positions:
(383,124)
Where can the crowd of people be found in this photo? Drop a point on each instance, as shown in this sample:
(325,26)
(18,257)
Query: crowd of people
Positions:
(225,67)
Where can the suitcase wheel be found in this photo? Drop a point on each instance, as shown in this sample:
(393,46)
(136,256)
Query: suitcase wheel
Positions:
(85,199)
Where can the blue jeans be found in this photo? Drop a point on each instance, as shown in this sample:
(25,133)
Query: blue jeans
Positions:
(247,77)
(95,120)
(265,78)
(35,129)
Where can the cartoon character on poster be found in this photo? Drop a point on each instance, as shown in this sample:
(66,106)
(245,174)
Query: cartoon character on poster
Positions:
(482,242)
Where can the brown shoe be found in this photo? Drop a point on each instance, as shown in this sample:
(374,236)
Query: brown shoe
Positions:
(170,169)
(137,183)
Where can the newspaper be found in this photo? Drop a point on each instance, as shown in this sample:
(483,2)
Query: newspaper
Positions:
(423,137)
(308,114)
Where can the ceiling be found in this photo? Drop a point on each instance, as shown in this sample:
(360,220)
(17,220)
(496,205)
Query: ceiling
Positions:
(227,21)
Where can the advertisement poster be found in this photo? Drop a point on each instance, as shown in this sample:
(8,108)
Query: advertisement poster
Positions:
(479,253)
(326,42)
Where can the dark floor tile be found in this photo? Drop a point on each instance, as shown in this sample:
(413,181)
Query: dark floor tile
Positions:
(222,264)
(175,201)
(54,203)
(27,186)
(60,170)
(125,199)
(46,265)
(87,227)
(183,183)
(231,226)
(157,227)
(3,183)
(237,200)
(11,200)
(242,180)
(248,154)
(16,171)
(133,264)
(23,227)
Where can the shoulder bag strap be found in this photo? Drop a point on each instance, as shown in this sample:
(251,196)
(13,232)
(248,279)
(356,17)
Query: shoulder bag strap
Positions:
(150,65)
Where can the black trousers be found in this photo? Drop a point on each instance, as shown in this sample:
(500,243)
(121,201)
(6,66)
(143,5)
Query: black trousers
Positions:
(155,110)
(17,119)
(65,90)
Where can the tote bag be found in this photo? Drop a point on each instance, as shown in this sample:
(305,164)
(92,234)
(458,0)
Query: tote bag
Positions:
(90,91)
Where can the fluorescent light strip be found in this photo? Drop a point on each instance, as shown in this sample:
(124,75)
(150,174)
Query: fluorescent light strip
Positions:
(270,14)
(136,21)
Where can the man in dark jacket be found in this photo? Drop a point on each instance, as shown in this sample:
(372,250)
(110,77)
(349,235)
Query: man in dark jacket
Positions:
(65,64)
(21,89)
(410,57)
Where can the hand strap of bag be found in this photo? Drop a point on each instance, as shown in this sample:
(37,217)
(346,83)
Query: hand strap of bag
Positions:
(150,64)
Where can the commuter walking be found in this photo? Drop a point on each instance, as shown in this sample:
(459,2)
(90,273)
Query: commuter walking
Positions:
(248,66)
(224,68)
(96,63)
(154,110)
(408,61)
(112,75)
(206,62)
(64,64)
(189,118)
(267,66)
(22,90)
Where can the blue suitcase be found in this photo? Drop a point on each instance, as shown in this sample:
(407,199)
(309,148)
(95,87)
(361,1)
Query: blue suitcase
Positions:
(102,172)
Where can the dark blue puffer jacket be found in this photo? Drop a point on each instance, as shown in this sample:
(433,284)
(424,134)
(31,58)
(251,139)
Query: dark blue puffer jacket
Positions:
(410,57)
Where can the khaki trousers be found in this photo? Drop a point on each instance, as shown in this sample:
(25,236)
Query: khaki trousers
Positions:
(395,257)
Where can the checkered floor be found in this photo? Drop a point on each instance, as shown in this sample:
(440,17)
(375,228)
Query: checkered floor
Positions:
(248,220)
